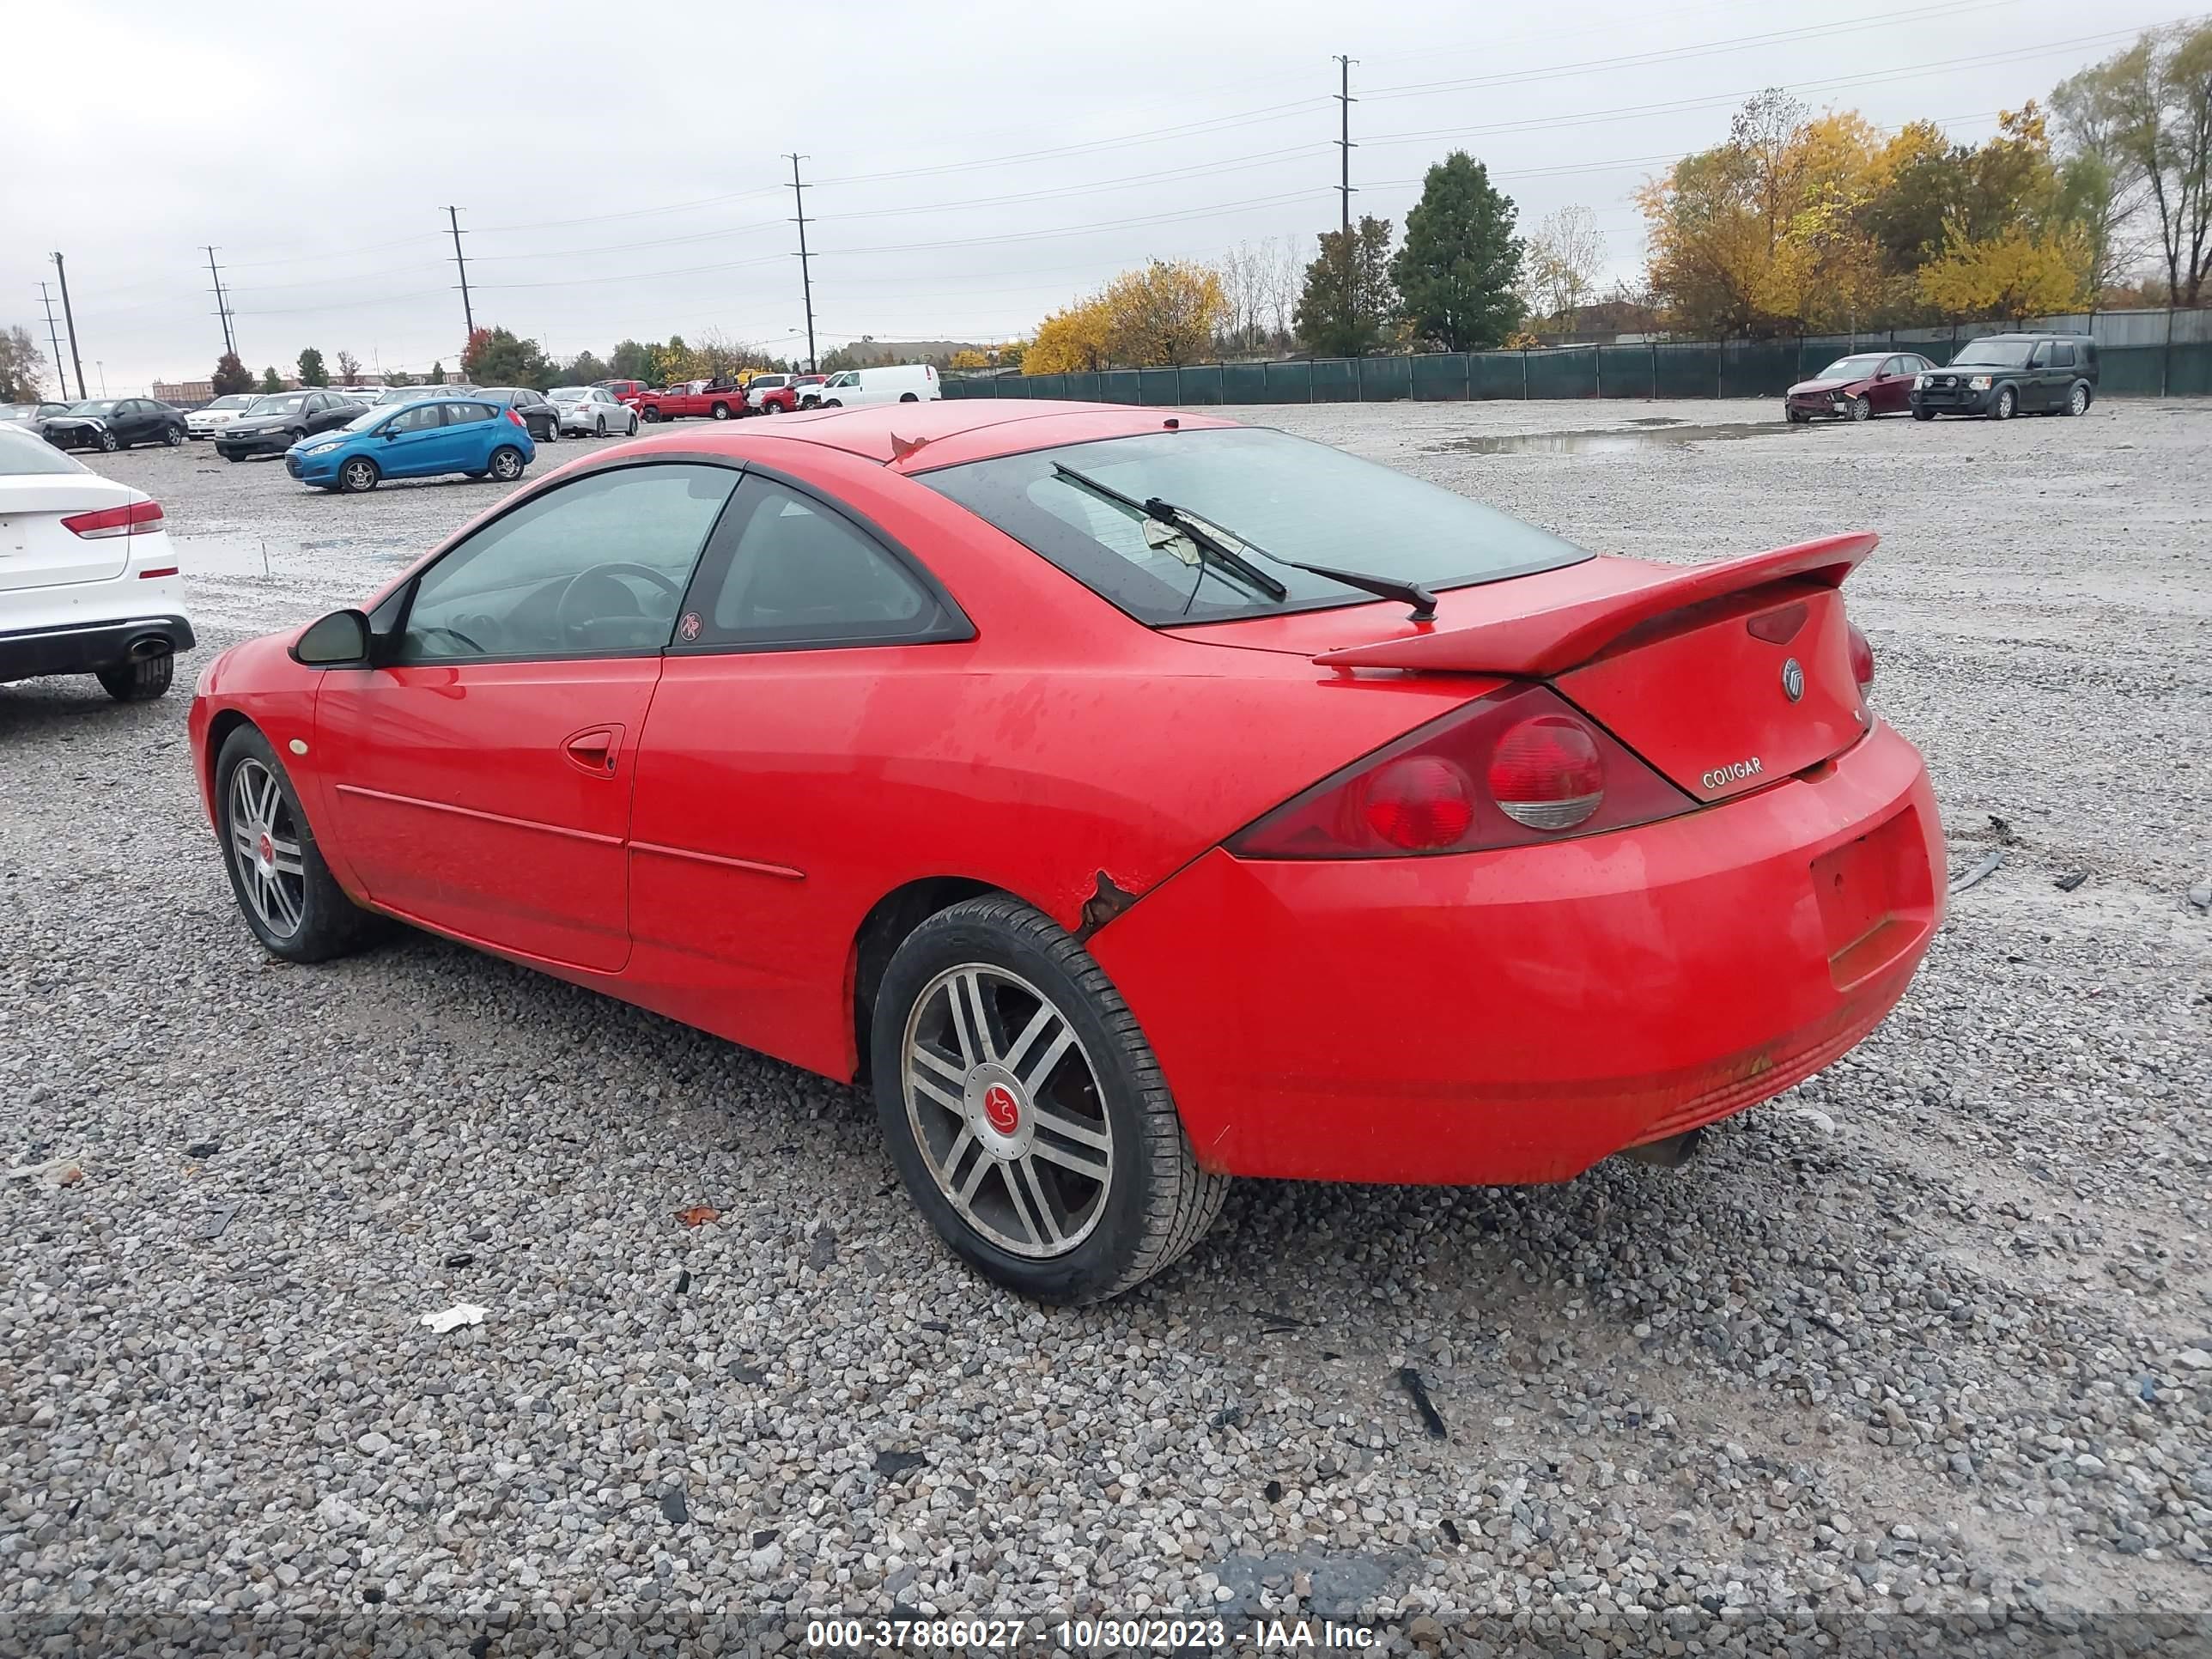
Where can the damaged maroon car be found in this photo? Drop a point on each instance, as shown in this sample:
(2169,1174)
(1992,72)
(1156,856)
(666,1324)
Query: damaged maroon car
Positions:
(1857,388)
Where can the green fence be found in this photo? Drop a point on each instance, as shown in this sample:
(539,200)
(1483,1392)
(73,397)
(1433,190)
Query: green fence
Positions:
(1678,368)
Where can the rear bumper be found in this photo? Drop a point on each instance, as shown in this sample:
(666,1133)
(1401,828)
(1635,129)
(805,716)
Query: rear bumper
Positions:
(1514,1017)
(86,647)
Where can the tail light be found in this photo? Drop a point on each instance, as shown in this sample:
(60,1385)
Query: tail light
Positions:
(1862,661)
(515,416)
(1517,767)
(137,518)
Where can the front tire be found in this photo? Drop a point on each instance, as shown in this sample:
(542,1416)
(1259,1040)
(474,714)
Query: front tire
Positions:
(290,900)
(1923,414)
(359,476)
(832,403)
(2007,402)
(1861,408)
(141,680)
(1026,1113)
(507,463)
(109,443)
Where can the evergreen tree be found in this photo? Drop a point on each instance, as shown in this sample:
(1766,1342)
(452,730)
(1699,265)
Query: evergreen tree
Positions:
(1348,303)
(311,371)
(1456,273)
(231,377)
(269,380)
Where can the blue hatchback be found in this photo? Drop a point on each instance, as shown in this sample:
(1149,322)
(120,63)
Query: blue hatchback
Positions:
(415,441)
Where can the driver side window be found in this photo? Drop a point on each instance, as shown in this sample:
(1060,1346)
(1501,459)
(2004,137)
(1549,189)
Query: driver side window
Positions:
(595,567)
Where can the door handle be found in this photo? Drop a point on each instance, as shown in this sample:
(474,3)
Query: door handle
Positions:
(596,749)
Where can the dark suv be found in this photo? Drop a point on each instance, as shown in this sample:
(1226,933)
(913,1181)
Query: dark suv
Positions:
(2001,375)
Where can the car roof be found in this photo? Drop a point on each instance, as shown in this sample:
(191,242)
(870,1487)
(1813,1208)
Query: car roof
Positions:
(949,431)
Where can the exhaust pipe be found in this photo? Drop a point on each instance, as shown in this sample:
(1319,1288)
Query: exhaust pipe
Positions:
(149,645)
(1672,1153)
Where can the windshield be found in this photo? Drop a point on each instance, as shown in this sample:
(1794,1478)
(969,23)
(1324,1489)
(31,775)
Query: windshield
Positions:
(235,401)
(98,406)
(1995,354)
(22,455)
(288,405)
(1850,368)
(1292,498)
(366,418)
(400,394)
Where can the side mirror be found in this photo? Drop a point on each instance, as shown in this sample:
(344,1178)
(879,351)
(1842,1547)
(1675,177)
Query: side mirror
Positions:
(337,641)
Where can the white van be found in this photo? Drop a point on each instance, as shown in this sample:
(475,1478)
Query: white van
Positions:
(894,383)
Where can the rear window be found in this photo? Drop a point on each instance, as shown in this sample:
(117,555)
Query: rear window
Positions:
(22,455)
(1258,489)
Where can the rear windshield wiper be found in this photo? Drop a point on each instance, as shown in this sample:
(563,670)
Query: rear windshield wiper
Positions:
(1209,539)
(1208,547)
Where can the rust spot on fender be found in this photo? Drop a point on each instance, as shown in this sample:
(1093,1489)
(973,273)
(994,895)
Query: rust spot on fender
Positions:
(1105,903)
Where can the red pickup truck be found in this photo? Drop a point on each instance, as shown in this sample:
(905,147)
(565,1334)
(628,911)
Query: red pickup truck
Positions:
(720,400)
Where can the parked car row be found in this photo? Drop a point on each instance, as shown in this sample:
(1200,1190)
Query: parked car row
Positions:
(724,398)
(105,423)
(1995,377)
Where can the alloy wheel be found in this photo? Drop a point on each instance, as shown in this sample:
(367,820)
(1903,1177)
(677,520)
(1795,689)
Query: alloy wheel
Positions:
(1004,1106)
(2078,402)
(506,466)
(599,425)
(360,475)
(264,842)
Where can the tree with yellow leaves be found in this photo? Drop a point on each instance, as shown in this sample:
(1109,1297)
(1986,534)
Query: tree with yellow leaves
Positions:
(1075,338)
(1165,314)
(2017,274)
(968,357)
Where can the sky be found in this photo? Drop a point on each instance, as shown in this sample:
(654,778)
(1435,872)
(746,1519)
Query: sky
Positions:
(620,171)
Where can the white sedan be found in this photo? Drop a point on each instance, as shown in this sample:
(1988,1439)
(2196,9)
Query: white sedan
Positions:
(592,411)
(209,420)
(88,582)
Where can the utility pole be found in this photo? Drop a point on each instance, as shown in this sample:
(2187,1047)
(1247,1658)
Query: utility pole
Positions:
(69,317)
(805,278)
(61,369)
(1344,142)
(222,305)
(453,219)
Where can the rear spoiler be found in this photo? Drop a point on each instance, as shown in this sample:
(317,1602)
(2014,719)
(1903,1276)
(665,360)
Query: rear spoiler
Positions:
(1537,644)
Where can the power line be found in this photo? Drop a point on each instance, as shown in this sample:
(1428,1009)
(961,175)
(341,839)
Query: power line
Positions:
(61,274)
(61,369)
(468,314)
(806,277)
(222,306)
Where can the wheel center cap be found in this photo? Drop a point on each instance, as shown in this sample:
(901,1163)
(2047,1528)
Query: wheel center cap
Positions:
(998,1111)
(265,853)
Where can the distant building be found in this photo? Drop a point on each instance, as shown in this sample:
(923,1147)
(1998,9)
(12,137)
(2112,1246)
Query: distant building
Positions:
(185,391)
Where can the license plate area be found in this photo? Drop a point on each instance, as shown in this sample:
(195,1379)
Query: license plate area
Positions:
(1876,895)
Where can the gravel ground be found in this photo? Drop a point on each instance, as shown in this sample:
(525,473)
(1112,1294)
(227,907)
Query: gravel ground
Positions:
(1928,1340)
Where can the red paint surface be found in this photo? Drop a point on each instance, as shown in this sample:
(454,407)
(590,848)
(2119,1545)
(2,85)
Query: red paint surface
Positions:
(706,835)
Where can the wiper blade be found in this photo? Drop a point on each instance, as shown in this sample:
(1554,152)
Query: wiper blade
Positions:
(1209,537)
(1210,548)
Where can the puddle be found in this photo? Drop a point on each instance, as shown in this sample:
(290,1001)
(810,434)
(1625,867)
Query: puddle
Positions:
(1654,432)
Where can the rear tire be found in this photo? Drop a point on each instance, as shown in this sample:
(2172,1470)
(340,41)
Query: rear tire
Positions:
(720,411)
(2077,400)
(909,397)
(141,680)
(1095,1189)
(507,463)
(598,426)
(288,898)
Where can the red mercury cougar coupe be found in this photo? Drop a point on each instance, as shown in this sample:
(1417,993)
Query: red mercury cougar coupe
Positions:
(1134,800)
